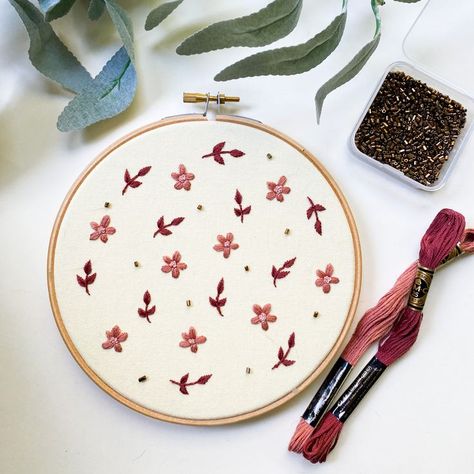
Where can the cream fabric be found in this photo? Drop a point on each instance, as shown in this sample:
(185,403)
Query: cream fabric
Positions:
(233,343)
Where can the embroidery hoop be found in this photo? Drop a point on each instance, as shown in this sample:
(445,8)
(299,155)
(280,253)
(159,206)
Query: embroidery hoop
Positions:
(191,118)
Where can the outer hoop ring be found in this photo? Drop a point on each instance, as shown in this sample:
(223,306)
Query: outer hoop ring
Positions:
(217,421)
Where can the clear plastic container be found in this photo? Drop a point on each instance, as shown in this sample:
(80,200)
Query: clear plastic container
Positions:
(455,94)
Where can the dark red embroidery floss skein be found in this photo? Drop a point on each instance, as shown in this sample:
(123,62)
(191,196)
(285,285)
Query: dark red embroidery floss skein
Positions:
(440,238)
(374,324)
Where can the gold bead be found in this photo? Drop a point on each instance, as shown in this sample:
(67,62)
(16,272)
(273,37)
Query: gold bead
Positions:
(188,303)
(199,207)
(248,370)
(143,378)
(247,268)
(287,231)
(136,263)
(315,314)
(269,156)
(107,204)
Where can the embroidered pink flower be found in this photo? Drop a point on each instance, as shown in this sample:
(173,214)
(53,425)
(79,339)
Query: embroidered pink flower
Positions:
(114,338)
(183,178)
(326,279)
(173,265)
(191,339)
(277,190)
(226,244)
(263,316)
(102,230)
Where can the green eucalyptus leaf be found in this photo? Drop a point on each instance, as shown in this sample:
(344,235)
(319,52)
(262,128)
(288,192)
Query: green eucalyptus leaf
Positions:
(123,25)
(271,23)
(407,1)
(290,60)
(96,9)
(47,53)
(53,9)
(355,65)
(110,93)
(157,15)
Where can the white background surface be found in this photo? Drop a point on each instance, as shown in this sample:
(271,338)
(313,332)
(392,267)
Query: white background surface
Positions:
(53,419)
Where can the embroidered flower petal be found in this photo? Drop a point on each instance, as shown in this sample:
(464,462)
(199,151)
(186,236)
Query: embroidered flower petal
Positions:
(187,185)
(218,248)
(326,288)
(271,318)
(104,238)
(177,256)
(271,186)
(266,308)
(118,347)
(182,169)
(94,236)
(226,252)
(230,237)
(110,230)
(320,273)
(329,269)
(167,259)
(221,239)
(282,180)
(334,280)
(107,345)
(201,339)
(184,344)
(94,225)
(175,272)
(255,320)
(178,185)
(257,309)
(319,282)
(271,195)
(265,325)
(105,221)
(115,331)
(166,268)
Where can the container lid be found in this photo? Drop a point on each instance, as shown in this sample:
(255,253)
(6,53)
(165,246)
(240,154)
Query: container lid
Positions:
(441,39)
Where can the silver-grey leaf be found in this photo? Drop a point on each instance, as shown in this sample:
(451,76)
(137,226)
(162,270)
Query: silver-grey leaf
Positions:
(123,25)
(96,9)
(110,93)
(290,60)
(269,24)
(47,53)
(157,15)
(346,73)
(53,9)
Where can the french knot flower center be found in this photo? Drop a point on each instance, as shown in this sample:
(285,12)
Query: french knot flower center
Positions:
(114,340)
(262,317)
(102,230)
(173,264)
(327,279)
(278,189)
(227,243)
(182,178)
(192,341)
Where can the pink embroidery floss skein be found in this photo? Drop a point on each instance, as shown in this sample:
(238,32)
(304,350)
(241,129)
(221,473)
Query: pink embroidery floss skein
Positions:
(374,324)
(443,233)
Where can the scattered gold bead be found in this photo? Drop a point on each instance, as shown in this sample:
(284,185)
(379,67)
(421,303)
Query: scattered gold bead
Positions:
(248,370)
(136,263)
(287,231)
(269,156)
(199,207)
(315,314)
(188,303)
(107,204)
(143,378)
(246,268)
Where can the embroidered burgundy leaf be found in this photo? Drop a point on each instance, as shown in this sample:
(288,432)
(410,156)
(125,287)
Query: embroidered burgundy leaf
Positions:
(263,316)
(326,279)
(162,228)
(278,190)
(147,311)
(282,356)
(240,211)
(174,265)
(315,209)
(279,273)
(218,151)
(218,302)
(183,382)
(191,339)
(89,277)
(114,339)
(102,230)
(132,182)
(183,178)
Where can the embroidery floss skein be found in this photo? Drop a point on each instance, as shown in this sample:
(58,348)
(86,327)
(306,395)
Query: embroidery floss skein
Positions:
(373,325)
(440,237)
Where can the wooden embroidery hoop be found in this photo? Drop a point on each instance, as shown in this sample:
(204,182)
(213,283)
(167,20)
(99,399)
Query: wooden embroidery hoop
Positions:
(155,414)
